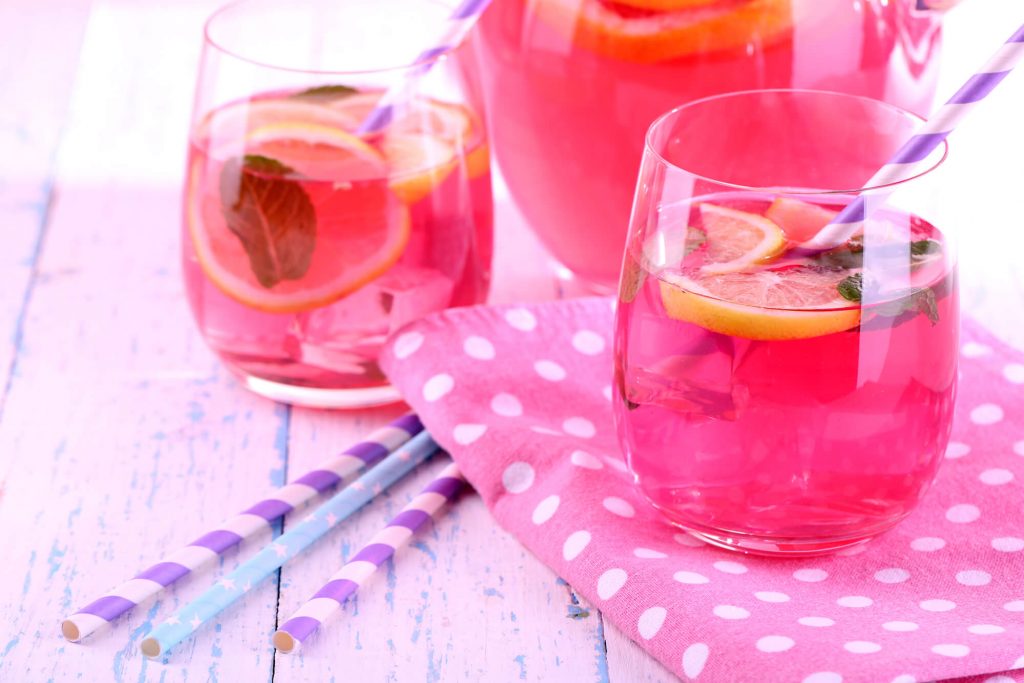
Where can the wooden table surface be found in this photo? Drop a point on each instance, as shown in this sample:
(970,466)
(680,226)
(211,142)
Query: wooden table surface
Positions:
(121,436)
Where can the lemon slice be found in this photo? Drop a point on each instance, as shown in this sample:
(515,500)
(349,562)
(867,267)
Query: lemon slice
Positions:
(738,239)
(317,151)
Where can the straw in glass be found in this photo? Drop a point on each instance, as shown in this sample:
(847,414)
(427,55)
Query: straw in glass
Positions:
(343,585)
(461,20)
(234,530)
(230,588)
(942,122)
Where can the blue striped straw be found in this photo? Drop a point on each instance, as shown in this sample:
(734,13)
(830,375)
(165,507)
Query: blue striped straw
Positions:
(462,19)
(234,530)
(230,588)
(344,584)
(917,148)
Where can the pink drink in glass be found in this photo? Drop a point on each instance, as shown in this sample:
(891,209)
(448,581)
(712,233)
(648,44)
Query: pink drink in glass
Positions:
(572,87)
(769,398)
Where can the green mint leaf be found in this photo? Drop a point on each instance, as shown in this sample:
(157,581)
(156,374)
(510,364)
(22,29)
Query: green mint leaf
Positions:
(917,300)
(271,215)
(327,91)
(851,288)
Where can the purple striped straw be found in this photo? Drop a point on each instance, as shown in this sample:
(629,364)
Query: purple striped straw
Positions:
(921,144)
(232,531)
(356,571)
(462,19)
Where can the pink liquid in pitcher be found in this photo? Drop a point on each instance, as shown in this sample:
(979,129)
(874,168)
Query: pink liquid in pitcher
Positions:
(798,404)
(573,84)
(305,245)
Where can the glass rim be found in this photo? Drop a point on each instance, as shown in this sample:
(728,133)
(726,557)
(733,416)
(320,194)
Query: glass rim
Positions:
(671,113)
(219,13)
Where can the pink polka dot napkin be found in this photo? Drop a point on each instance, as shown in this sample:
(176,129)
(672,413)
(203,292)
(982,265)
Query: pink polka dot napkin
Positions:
(520,396)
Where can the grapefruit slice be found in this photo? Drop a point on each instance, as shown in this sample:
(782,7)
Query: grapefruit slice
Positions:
(737,240)
(657,36)
(317,151)
(798,219)
(663,5)
(796,302)
(361,231)
(417,163)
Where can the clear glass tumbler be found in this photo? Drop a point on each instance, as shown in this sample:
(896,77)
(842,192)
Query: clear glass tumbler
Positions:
(306,242)
(769,398)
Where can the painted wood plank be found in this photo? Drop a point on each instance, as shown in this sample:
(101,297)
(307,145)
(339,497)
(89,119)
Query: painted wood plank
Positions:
(122,436)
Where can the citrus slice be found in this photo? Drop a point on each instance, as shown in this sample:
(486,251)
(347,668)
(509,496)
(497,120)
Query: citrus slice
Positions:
(418,164)
(235,121)
(798,219)
(317,151)
(663,5)
(361,231)
(796,302)
(643,36)
(737,239)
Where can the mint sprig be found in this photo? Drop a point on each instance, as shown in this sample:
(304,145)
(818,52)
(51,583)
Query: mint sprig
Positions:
(914,299)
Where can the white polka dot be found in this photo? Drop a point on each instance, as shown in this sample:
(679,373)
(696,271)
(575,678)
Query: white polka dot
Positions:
(955,450)
(1018,663)
(823,677)
(1014,606)
(985,629)
(951,650)
(521,319)
(619,507)
(689,541)
(579,426)
(574,545)
(1014,372)
(650,622)
(437,386)
(407,344)
(986,414)
(550,370)
(998,679)
(588,342)
(648,554)
(506,405)
(616,464)
(937,605)
(546,509)
(545,431)
(466,434)
(1008,544)
(730,612)
(904,678)
(585,460)
(775,644)
(607,392)
(963,513)
(816,622)
(974,350)
(892,575)
(861,647)
(855,601)
(810,575)
(518,477)
(690,578)
(479,348)
(609,583)
(927,544)
(771,596)
(973,577)
(900,626)
(729,567)
(694,659)
(996,477)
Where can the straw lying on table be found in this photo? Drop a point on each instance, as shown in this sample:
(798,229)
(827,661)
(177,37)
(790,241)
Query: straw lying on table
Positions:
(250,573)
(350,577)
(232,531)
(921,144)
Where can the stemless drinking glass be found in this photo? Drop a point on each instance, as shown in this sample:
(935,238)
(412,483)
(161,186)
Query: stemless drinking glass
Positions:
(773,399)
(572,86)
(307,241)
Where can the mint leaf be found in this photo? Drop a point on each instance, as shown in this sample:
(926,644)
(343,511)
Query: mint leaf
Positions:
(327,91)
(271,215)
(924,247)
(917,300)
(852,288)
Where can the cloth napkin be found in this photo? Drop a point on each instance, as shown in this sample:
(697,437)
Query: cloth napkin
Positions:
(520,397)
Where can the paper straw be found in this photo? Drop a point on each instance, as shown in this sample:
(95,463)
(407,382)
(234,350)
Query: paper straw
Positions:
(230,588)
(921,144)
(329,599)
(462,19)
(232,531)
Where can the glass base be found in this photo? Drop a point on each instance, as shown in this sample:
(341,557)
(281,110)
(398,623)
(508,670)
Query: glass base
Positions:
(312,397)
(778,548)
